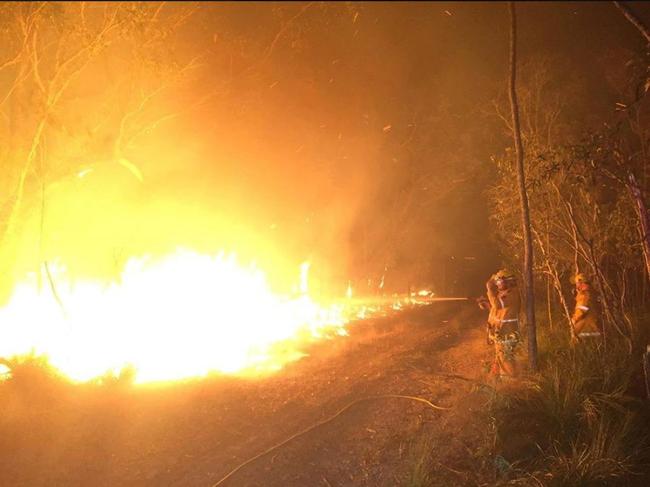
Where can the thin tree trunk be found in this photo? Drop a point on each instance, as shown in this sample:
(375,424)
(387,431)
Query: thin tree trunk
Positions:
(40,238)
(576,264)
(554,278)
(549,309)
(523,197)
(644,220)
(548,284)
(634,20)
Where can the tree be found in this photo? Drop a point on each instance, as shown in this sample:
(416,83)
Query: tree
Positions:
(634,188)
(634,20)
(523,197)
(581,212)
(78,86)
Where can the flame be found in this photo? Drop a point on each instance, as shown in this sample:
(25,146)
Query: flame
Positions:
(304,277)
(181,317)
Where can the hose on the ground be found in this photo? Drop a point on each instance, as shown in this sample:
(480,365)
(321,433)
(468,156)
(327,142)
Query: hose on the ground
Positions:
(322,422)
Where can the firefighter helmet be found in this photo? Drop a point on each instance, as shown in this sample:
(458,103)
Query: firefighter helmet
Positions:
(504,274)
(580,278)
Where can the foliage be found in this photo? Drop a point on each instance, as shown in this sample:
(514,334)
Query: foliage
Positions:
(421,471)
(579,424)
(582,212)
(77,82)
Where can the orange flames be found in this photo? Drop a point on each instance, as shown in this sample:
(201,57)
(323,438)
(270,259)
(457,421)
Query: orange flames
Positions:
(180,317)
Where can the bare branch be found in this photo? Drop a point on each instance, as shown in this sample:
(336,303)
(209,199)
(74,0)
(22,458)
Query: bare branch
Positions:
(634,20)
(505,119)
(281,32)
(35,62)
(155,15)
(119,144)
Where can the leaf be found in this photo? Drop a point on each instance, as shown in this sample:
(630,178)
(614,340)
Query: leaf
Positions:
(133,169)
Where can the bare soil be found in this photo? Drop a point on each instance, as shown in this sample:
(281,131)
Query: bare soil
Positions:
(57,434)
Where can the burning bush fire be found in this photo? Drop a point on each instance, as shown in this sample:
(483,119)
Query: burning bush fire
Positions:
(244,243)
(178,317)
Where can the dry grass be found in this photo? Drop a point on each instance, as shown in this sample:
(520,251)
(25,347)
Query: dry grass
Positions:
(421,464)
(578,425)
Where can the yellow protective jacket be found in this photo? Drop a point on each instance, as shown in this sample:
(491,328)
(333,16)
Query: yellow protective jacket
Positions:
(585,316)
(494,306)
(508,311)
(504,309)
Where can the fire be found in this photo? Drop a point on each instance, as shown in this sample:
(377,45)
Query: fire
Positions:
(180,317)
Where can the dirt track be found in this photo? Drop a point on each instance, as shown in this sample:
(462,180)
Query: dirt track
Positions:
(193,435)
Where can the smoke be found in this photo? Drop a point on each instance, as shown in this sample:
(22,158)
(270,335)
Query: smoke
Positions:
(350,135)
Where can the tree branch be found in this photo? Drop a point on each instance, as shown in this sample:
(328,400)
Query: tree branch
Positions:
(634,20)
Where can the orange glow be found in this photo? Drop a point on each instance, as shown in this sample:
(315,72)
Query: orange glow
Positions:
(179,317)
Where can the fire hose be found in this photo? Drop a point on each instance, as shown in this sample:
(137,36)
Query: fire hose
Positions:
(322,422)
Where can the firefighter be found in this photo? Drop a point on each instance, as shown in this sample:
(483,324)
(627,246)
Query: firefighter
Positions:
(484,304)
(585,321)
(503,321)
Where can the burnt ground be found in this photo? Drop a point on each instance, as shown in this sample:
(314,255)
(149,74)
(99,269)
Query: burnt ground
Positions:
(56,434)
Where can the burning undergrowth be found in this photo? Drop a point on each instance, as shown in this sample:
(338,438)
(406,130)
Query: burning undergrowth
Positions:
(181,317)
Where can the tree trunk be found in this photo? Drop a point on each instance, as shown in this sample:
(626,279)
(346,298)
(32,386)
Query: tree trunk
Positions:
(554,278)
(548,284)
(634,20)
(633,186)
(644,220)
(523,197)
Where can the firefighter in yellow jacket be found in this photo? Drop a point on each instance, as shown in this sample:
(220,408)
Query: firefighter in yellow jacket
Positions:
(504,321)
(585,320)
